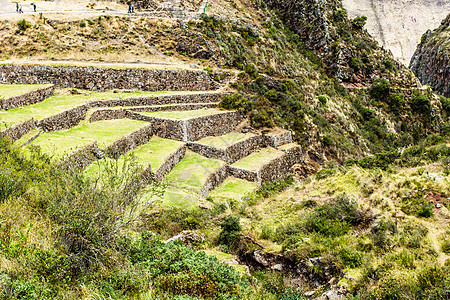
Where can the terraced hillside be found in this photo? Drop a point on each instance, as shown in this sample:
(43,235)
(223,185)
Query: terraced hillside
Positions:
(180,138)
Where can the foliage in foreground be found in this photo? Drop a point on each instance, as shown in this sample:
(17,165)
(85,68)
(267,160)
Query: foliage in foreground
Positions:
(64,237)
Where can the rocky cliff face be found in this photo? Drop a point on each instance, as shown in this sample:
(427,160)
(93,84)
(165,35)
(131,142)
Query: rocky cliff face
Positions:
(349,53)
(431,61)
(398,24)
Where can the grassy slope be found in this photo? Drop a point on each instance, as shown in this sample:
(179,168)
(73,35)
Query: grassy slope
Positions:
(258,158)
(61,102)
(12,90)
(233,189)
(225,140)
(104,132)
(183,115)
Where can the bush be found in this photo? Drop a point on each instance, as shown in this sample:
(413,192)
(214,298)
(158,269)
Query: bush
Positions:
(446,105)
(237,101)
(420,104)
(334,219)
(179,270)
(231,231)
(380,90)
(23,25)
(358,23)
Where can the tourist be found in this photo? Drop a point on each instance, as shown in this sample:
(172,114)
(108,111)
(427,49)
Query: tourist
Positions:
(34,7)
(132,8)
(20,9)
(17,6)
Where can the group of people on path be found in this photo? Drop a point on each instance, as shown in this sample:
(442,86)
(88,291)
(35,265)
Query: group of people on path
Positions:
(130,8)
(19,8)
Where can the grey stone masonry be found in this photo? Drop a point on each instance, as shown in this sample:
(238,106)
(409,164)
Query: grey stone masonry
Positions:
(129,142)
(169,163)
(28,98)
(195,128)
(72,117)
(101,79)
(242,148)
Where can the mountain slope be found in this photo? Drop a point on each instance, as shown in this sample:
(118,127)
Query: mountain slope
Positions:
(431,61)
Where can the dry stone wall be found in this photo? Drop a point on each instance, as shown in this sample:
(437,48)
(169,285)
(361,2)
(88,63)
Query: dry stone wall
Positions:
(242,173)
(28,98)
(169,163)
(242,148)
(165,128)
(101,79)
(81,158)
(212,125)
(280,167)
(129,142)
(16,132)
(214,180)
(64,120)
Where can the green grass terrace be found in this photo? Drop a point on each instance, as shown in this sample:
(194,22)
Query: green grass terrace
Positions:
(257,159)
(184,115)
(233,189)
(63,101)
(12,90)
(225,140)
(154,153)
(105,133)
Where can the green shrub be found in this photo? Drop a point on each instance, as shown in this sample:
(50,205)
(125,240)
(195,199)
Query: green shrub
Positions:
(237,101)
(333,219)
(380,90)
(446,105)
(420,103)
(178,270)
(358,23)
(322,100)
(23,25)
(231,231)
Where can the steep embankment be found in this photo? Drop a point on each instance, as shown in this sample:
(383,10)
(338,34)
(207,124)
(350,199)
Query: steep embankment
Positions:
(398,25)
(431,61)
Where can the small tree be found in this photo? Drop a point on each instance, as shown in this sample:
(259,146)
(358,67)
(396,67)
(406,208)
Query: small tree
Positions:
(231,231)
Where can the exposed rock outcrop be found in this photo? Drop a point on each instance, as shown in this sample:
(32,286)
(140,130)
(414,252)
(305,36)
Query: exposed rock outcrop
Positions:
(431,61)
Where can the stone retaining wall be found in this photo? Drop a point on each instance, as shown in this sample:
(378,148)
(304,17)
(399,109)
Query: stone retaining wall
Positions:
(242,148)
(242,173)
(64,120)
(214,180)
(175,107)
(16,132)
(28,98)
(81,158)
(169,163)
(212,125)
(165,128)
(129,142)
(101,79)
(280,167)
(207,151)
(110,114)
(276,140)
